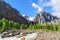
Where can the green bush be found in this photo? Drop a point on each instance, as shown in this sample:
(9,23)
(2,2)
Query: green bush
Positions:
(58,27)
(48,26)
(38,26)
(22,26)
(4,24)
(9,25)
(0,24)
(16,25)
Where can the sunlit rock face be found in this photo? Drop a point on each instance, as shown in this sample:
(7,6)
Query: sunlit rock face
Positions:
(44,17)
(10,13)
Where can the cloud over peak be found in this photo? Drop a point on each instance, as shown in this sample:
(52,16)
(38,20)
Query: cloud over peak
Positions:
(37,7)
(55,4)
(56,7)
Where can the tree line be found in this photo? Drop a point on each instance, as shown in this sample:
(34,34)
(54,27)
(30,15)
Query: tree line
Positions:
(10,25)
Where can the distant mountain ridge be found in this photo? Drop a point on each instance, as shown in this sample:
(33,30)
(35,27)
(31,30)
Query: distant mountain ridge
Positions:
(6,11)
(44,17)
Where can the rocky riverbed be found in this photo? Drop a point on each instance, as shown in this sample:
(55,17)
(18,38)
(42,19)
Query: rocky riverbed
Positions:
(18,35)
(33,35)
(11,33)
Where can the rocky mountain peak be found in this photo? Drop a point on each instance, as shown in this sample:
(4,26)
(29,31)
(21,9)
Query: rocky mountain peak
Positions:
(44,17)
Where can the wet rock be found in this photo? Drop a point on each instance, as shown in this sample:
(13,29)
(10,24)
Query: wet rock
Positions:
(22,38)
(10,33)
(32,36)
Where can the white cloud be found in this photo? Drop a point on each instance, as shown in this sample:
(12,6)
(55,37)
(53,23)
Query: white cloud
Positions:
(30,18)
(56,7)
(46,4)
(43,3)
(54,3)
(56,14)
(37,7)
(23,15)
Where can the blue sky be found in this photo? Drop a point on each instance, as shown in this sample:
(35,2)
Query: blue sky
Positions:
(25,6)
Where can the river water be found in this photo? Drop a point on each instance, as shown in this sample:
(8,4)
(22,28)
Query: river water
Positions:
(28,37)
(9,38)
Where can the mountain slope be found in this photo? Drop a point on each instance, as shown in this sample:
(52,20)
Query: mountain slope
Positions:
(6,11)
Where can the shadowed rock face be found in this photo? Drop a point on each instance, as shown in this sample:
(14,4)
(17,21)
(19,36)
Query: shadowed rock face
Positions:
(6,11)
(1,0)
(43,17)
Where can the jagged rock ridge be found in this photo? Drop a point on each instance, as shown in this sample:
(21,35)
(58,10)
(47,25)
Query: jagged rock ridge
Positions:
(44,17)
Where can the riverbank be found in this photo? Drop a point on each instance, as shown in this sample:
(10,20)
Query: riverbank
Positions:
(10,33)
(41,35)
